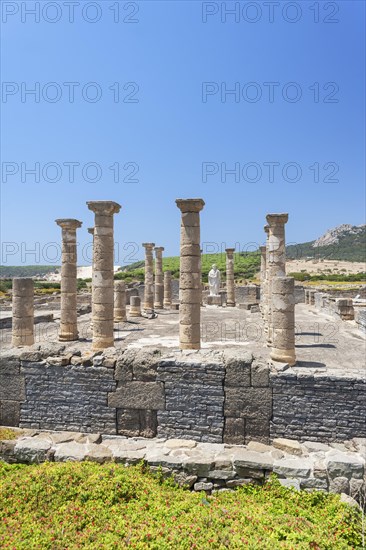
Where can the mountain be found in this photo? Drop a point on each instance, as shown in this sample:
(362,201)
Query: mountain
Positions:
(345,242)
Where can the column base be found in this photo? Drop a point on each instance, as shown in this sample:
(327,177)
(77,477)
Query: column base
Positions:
(68,337)
(284,356)
(158,306)
(167,305)
(120,319)
(19,342)
(183,345)
(230,304)
(102,343)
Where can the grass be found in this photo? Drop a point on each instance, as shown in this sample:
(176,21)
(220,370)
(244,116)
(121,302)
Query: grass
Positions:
(86,505)
(7,433)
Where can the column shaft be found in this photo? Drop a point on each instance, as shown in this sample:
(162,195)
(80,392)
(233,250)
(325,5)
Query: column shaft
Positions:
(167,289)
(119,302)
(103,273)
(159,282)
(190,289)
(283,320)
(149,277)
(230,280)
(23,312)
(68,325)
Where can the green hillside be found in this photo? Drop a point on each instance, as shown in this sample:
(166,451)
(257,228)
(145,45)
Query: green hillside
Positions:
(350,247)
(246,265)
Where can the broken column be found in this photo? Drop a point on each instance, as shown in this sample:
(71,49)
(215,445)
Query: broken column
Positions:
(230,281)
(23,312)
(103,272)
(149,277)
(135,306)
(167,289)
(120,302)
(159,282)
(190,274)
(283,320)
(276,258)
(68,324)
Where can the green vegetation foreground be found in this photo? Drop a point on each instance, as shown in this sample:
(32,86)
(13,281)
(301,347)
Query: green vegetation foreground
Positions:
(86,505)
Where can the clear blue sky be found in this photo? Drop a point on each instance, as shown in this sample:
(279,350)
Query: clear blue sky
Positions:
(175,127)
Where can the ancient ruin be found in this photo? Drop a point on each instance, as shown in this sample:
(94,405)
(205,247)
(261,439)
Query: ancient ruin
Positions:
(180,367)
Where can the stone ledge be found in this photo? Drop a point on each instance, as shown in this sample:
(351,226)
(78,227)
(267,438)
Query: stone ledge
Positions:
(203,466)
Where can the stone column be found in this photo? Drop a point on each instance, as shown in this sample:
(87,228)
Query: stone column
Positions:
(91,231)
(135,306)
(159,282)
(230,281)
(149,277)
(120,302)
(103,272)
(263,275)
(276,258)
(283,320)
(167,289)
(190,274)
(68,324)
(312,297)
(23,312)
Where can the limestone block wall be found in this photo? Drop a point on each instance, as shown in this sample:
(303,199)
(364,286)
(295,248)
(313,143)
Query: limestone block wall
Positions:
(317,407)
(210,396)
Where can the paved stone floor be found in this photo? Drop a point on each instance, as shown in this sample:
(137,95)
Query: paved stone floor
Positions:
(323,342)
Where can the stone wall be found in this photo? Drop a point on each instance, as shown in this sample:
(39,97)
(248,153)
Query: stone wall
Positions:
(210,396)
(318,406)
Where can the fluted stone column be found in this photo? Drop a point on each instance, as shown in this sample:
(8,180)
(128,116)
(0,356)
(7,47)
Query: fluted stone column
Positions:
(91,231)
(159,282)
(149,277)
(276,258)
(283,320)
(23,312)
(68,325)
(120,302)
(190,289)
(103,272)
(167,289)
(265,287)
(230,281)
(135,306)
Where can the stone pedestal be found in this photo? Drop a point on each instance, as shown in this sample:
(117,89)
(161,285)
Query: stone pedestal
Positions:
(167,289)
(68,325)
(159,282)
(135,306)
(214,300)
(276,258)
(149,278)
(190,274)
(119,302)
(283,320)
(103,273)
(23,312)
(230,281)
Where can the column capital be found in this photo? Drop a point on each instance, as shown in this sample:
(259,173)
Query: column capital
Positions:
(148,245)
(104,208)
(91,230)
(159,248)
(276,219)
(229,250)
(68,223)
(190,205)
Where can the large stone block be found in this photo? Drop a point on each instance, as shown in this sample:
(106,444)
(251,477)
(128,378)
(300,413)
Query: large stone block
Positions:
(12,388)
(234,431)
(247,402)
(136,422)
(9,413)
(9,365)
(138,395)
(237,368)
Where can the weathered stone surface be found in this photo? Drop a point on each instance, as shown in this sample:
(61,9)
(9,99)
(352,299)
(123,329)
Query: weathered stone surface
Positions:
(293,467)
(259,374)
(339,485)
(9,413)
(349,500)
(98,453)
(291,483)
(138,395)
(252,459)
(315,446)
(71,451)
(288,445)
(237,368)
(9,365)
(33,450)
(180,444)
(201,486)
(344,465)
(12,387)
